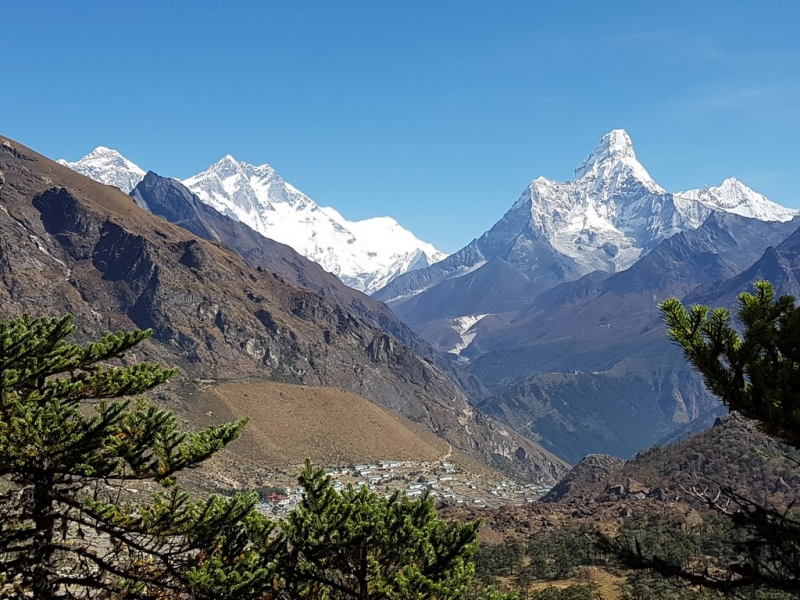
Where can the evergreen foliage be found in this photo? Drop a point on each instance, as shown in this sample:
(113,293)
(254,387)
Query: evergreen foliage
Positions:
(570,592)
(70,442)
(356,544)
(498,560)
(756,374)
(544,557)
(707,547)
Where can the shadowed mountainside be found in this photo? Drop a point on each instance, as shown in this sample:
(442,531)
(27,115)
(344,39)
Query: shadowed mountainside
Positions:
(170,199)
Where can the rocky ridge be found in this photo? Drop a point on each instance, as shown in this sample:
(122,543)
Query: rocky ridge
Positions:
(732,453)
(170,199)
(603,491)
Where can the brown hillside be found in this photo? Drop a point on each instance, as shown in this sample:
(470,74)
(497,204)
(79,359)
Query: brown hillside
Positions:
(328,425)
(732,454)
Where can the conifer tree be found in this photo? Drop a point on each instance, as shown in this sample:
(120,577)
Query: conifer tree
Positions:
(70,441)
(356,544)
(756,373)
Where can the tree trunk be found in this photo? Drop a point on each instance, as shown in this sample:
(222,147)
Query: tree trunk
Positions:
(44,523)
(363,588)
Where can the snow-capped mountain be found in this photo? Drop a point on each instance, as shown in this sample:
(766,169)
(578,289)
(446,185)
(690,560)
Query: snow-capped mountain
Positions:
(735,197)
(108,166)
(554,310)
(364,254)
(610,213)
(605,219)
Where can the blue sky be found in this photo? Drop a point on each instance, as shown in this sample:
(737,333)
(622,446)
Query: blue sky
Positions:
(437,113)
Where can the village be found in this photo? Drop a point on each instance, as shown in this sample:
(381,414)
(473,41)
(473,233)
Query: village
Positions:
(442,480)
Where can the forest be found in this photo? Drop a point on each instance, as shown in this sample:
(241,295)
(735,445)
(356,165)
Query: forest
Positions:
(76,436)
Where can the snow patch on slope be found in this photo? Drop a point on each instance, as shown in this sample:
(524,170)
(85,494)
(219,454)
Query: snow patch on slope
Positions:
(465,328)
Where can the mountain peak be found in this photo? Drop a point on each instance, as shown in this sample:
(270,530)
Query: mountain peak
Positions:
(615,146)
(228,159)
(225,168)
(733,196)
(227,162)
(614,161)
(228,166)
(102,151)
(108,166)
(733,184)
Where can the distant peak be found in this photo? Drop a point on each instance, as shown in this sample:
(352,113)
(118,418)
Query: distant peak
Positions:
(617,143)
(227,160)
(103,157)
(734,196)
(102,151)
(226,166)
(614,147)
(108,166)
(733,183)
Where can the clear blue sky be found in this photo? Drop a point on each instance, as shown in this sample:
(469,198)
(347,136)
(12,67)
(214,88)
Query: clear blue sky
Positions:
(437,113)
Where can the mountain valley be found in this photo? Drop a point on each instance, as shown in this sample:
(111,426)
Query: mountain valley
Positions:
(554,310)
(535,346)
(550,319)
(116,266)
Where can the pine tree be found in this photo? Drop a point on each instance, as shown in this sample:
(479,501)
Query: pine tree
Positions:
(70,441)
(756,374)
(356,544)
